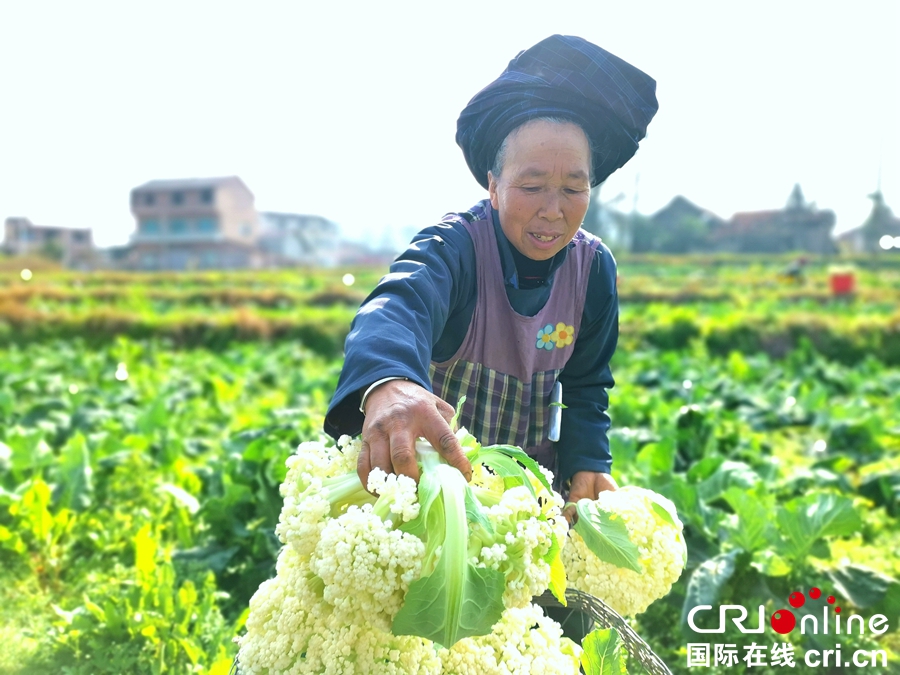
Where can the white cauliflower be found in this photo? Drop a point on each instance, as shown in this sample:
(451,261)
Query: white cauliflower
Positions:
(523,642)
(317,484)
(340,577)
(523,536)
(290,631)
(342,648)
(328,609)
(285,614)
(662,552)
(358,565)
(366,566)
(399,491)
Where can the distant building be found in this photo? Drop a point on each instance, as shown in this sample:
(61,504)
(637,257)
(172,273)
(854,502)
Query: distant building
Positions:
(867,237)
(681,209)
(73,247)
(197,223)
(683,227)
(800,226)
(289,239)
(679,227)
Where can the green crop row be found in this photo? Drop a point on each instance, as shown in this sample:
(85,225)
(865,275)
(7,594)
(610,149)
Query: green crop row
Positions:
(300,279)
(680,265)
(845,337)
(321,329)
(635,292)
(223,296)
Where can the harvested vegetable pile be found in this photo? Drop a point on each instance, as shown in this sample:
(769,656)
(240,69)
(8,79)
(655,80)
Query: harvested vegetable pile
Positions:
(434,578)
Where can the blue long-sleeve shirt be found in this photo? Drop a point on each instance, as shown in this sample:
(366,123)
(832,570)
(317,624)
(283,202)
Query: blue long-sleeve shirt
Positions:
(421,310)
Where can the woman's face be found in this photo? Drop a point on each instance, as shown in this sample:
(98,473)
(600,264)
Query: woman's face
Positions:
(544,187)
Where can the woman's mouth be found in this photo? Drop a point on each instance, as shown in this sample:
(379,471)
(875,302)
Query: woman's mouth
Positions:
(543,240)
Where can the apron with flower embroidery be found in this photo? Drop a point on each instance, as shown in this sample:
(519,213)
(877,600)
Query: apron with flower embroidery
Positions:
(508,363)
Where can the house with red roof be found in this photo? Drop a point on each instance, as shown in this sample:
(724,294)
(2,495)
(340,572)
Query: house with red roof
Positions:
(799,226)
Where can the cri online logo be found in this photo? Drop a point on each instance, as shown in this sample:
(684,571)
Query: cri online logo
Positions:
(783,620)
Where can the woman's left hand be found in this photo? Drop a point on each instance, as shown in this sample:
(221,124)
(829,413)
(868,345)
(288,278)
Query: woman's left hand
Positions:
(588,485)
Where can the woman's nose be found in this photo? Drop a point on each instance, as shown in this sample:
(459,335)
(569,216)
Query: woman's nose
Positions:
(551,210)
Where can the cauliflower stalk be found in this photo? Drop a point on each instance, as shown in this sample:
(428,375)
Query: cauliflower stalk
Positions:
(455,598)
(487,546)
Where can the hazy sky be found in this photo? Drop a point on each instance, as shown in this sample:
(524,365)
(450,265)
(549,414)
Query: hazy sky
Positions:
(349,110)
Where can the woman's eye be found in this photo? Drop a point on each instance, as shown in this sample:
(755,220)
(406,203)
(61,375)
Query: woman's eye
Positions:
(531,189)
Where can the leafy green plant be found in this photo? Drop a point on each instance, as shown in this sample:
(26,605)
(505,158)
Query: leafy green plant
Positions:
(603,653)
(146,622)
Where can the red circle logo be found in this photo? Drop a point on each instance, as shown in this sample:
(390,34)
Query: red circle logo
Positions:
(783,621)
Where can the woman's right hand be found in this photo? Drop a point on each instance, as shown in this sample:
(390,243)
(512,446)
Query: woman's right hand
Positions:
(398,412)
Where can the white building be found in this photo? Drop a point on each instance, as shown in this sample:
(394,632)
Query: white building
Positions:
(194,223)
(73,247)
(289,239)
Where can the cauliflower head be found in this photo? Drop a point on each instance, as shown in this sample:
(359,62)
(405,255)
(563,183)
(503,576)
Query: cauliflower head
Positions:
(661,546)
(523,642)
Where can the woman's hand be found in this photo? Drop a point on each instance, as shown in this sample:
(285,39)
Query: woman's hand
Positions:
(397,413)
(588,485)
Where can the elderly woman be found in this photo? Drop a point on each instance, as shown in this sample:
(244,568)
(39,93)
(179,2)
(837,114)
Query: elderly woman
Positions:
(503,301)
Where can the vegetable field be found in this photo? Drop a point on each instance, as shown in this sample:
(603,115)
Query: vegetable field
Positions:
(145,421)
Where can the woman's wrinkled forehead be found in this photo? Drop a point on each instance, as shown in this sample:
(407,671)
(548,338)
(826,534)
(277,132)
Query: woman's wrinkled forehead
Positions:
(528,138)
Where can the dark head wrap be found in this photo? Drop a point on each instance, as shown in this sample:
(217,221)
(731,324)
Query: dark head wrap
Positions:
(567,77)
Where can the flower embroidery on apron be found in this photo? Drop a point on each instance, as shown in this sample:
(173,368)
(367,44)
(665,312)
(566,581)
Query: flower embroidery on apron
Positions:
(558,336)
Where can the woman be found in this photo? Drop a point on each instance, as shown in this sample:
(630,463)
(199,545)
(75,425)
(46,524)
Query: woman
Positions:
(503,301)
